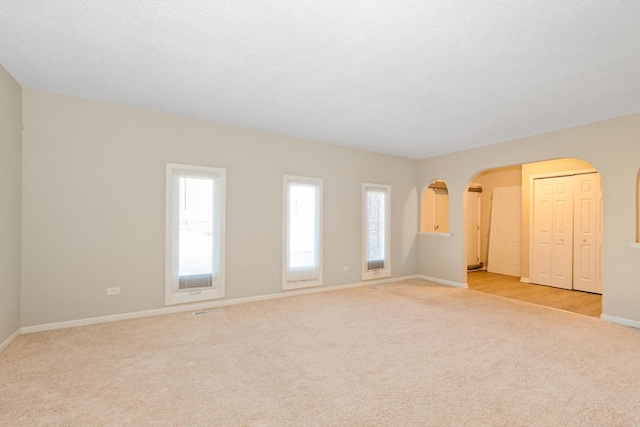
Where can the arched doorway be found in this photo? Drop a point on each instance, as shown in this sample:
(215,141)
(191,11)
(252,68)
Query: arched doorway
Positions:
(557,248)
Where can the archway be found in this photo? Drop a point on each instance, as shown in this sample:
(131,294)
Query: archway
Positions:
(539,267)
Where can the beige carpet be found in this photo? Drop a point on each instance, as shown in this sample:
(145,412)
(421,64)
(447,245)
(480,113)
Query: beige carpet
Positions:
(409,354)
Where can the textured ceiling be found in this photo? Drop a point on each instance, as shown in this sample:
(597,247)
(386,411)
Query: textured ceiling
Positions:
(412,78)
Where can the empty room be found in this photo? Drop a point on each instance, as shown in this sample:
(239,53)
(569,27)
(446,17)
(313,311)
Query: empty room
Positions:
(319,214)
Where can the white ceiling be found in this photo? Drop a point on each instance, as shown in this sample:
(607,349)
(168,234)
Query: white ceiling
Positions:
(416,78)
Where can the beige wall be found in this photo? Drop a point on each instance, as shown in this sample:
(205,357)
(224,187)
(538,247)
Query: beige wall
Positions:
(10,207)
(551,167)
(500,177)
(94,205)
(611,146)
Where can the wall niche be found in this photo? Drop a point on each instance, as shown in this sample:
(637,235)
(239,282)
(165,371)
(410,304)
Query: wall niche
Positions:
(434,208)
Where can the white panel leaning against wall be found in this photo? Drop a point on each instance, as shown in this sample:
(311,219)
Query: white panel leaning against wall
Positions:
(376,231)
(302,257)
(195,237)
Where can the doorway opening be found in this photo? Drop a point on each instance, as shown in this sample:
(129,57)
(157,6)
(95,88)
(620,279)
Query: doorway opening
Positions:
(540,236)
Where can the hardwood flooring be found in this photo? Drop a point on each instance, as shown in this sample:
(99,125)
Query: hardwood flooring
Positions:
(511,287)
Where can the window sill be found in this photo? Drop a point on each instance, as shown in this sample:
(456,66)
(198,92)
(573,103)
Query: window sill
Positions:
(376,274)
(434,233)
(193,295)
(634,245)
(289,286)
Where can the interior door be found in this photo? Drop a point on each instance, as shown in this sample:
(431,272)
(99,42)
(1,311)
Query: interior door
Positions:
(562,238)
(586,232)
(505,240)
(473,229)
(542,231)
(552,257)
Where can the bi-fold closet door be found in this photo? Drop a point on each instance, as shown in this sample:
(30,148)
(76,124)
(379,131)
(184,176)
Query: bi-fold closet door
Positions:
(587,233)
(567,232)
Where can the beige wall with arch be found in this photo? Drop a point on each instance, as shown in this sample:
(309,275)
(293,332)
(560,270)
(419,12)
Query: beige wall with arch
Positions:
(92,197)
(612,147)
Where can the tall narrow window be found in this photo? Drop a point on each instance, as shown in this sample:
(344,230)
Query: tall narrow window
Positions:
(195,233)
(376,227)
(303,232)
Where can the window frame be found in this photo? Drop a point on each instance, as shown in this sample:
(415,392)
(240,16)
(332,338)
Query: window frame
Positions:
(291,283)
(179,296)
(386,270)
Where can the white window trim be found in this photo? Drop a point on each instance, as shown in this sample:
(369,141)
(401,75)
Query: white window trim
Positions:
(173,296)
(386,271)
(288,285)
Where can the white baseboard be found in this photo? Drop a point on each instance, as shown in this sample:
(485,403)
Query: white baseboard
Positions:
(200,306)
(443,281)
(621,321)
(9,340)
(524,280)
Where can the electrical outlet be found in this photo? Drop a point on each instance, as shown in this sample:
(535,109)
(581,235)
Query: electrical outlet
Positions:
(346,268)
(113,291)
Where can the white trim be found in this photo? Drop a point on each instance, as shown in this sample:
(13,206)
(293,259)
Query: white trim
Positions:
(443,281)
(386,270)
(525,280)
(300,284)
(620,321)
(303,282)
(173,296)
(634,245)
(200,306)
(9,340)
(434,233)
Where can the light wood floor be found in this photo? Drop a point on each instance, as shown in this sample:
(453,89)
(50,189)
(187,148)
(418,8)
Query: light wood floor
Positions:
(512,287)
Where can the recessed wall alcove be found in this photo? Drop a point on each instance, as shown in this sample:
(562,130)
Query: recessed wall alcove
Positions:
(434,208)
